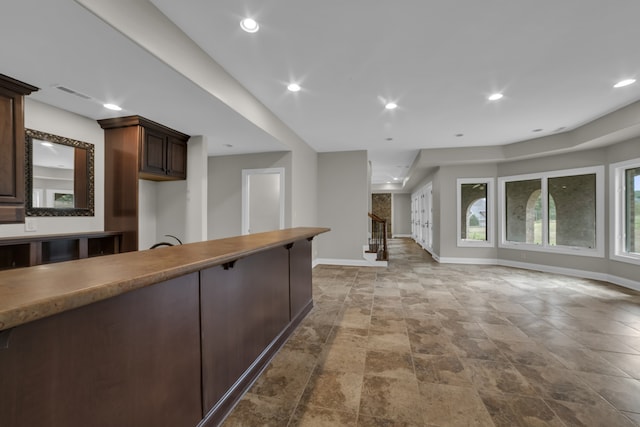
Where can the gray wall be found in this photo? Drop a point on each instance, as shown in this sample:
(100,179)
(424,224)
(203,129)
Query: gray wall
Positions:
(447,208)
(401,214)
(444,205)
(224,195)
(343,202)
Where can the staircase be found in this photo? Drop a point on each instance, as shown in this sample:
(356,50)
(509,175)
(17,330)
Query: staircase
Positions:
(376,252)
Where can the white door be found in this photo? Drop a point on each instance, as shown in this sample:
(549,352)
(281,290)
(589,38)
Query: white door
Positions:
(262,200)
(420,217)
(428,217)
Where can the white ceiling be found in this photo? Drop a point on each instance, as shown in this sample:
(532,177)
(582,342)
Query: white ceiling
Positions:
(555,62)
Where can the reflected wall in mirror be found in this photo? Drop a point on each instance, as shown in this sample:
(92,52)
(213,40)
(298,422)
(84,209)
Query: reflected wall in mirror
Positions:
(59,175)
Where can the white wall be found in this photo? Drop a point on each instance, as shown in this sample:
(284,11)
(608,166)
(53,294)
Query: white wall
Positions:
(42,117)
(147,213)
(181,206)
(343,202)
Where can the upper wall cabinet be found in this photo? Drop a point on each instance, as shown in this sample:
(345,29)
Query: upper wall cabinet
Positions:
(135,148)
(162,152)
(12,149)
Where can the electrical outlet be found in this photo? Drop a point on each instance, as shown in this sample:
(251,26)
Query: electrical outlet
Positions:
(30,224)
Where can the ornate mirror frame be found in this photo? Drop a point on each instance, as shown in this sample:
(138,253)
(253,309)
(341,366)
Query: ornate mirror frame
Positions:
(88,183)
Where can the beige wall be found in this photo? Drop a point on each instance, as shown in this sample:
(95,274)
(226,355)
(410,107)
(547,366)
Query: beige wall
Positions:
(224,194)
(343,202)
(304,185)
(401,214)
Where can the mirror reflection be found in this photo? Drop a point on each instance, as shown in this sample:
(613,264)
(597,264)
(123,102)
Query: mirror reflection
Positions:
(52,175)
(59,175)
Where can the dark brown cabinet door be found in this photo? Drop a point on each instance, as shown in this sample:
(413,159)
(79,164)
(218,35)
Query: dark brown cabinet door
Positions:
(153,152)
(12,149)
(242,310)
(133,360)
(176,158)
(300,277)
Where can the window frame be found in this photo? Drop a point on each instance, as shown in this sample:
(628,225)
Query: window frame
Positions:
(598,251)
(617,188)
(490,241)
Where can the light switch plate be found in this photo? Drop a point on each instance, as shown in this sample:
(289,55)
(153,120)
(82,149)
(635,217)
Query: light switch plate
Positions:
(30,224)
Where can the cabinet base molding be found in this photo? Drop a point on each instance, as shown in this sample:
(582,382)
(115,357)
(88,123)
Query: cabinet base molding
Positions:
(225,405)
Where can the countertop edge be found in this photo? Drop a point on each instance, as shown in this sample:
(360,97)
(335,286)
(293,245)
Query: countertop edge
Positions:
(12,315)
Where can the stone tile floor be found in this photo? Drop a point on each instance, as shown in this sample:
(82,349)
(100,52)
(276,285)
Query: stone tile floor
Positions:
(424,344)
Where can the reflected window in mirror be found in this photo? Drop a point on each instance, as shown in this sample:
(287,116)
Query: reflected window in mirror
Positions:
(59,175)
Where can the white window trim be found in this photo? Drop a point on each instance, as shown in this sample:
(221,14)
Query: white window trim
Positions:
(489,243)
(617,211)
(598,251)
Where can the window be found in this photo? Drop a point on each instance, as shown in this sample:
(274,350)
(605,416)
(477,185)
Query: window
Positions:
(475,217)
(560,211)
(625,213)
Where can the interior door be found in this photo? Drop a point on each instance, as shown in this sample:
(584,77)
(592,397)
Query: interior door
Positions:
(428,217)
(262,200)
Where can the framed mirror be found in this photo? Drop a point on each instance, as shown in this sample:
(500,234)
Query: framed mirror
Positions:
(59,175)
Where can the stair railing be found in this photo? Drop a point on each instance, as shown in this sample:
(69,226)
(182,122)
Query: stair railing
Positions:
(378,240)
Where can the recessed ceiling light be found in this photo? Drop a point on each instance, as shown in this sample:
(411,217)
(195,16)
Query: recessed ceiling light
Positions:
(228,145)
(391,106)
(249,25)
(624,83)
(113,107)
(395,178)
(388,182)
(459,135)
(495,96)
(537,130)
(294,87)
(389,139)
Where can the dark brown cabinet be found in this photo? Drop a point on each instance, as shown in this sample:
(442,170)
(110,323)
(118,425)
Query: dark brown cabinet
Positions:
(162,156)
(12,197)
(34,250)
(243,309)
(133,360)
(162,151)
(137,148)
(184,334)
(300,294)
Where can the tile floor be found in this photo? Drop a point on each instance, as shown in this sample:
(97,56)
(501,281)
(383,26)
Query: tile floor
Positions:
(423,344)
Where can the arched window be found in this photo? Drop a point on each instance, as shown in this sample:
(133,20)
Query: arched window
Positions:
(476,218)
(534,218)
(560,211)
(475,227)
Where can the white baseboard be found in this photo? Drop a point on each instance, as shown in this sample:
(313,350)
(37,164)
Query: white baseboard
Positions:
(620,281)
(347,262)
(401,235)
(476,261)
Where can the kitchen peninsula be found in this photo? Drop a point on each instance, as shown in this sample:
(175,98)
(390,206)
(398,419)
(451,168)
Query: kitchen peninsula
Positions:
(163,337)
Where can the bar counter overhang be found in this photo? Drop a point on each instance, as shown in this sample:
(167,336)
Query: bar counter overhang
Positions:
(164,337)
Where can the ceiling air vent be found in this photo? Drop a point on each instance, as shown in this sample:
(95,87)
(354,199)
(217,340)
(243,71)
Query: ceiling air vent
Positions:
(72,92)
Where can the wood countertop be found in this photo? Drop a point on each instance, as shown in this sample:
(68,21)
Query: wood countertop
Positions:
(31,293)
